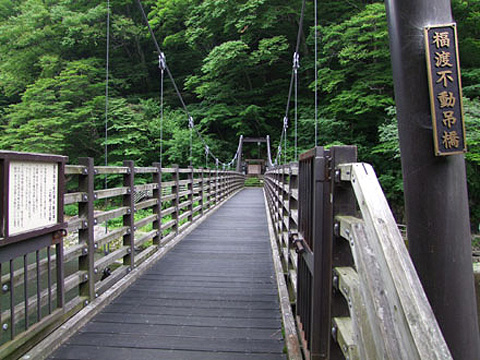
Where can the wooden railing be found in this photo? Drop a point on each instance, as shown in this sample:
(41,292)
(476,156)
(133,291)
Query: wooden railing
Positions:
(111,231)
(353,285)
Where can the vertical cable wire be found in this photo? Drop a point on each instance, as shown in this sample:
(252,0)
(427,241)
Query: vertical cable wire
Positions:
(316,72)
(161,116)
(107,70)
(296,65)
(191,126)
(162,63)
(106,86)
(206,156)
(296,116)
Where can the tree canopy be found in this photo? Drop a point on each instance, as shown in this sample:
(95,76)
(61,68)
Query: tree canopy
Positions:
(232,61)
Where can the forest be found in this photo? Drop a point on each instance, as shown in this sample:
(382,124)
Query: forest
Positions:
(232,63)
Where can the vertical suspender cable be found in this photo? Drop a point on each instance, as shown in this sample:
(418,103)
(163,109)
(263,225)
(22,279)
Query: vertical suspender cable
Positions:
(106,87)
(316,71)
(206,156)
(296,114)
(191,146)
(296,65)
(285,127)
(191,125)
(162,63)
(107,66)
(161,116)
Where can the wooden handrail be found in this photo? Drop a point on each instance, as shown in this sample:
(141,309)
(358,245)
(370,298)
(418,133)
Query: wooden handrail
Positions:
(392,318)
(173,200)
(386,314)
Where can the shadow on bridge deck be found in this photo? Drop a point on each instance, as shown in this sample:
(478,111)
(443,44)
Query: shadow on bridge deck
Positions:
(213,297)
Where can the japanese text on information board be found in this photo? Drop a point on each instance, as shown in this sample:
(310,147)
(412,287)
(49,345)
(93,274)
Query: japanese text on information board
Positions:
(33,196)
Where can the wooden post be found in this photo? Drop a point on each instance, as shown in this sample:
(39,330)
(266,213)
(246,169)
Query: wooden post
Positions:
(216,187)
(176,199)
(292,225)
(209,188)
(157,209)
(190,193)
(128,218)
(60,265)
(202,191)
(436,198)
(322,233)
(86,261)
(277,202)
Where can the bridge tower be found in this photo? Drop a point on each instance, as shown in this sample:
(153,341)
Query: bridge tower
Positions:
(254,166)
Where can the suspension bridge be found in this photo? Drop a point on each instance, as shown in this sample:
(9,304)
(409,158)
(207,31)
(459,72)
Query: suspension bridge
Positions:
(168,262)
(201,268)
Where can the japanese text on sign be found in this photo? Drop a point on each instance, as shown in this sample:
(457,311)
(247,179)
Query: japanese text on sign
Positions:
(33,196)
(445,89)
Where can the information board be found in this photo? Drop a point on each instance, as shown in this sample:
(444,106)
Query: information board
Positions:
(32,196)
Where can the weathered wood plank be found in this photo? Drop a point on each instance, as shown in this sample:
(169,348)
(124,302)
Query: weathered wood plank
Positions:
(75,169)
(145,170)
(146,187)
(291,336)
(111,214)
(109,259)
(110,170)
(409,328)
(146,204)
(145,221)
(345,337)
(109,193)
(73,198)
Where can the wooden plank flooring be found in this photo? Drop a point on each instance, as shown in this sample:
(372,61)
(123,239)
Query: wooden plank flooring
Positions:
(213,297)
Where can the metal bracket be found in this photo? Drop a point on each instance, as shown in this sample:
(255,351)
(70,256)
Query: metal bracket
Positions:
(297,241)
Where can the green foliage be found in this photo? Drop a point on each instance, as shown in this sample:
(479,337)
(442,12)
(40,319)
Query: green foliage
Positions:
(355,76)
(472,123)
(387,163)
(232,61)
(55,108)
(253,182)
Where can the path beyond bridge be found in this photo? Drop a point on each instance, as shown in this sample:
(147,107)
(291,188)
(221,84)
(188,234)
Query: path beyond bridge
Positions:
(213,297)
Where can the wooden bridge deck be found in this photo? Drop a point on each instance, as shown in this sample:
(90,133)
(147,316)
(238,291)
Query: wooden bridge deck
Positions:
(213,297)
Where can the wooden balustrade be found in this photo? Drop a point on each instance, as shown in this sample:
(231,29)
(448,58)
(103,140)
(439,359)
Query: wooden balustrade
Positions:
(353,286)
(113,230)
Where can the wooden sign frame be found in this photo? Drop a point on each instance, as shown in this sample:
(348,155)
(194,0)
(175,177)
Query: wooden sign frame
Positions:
(445,87)
(32,188)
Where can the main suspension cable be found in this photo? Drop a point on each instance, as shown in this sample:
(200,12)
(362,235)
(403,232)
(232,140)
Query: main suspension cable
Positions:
(292,81)
(179,95)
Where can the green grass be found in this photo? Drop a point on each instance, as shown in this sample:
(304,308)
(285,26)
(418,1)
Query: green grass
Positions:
(253,182)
